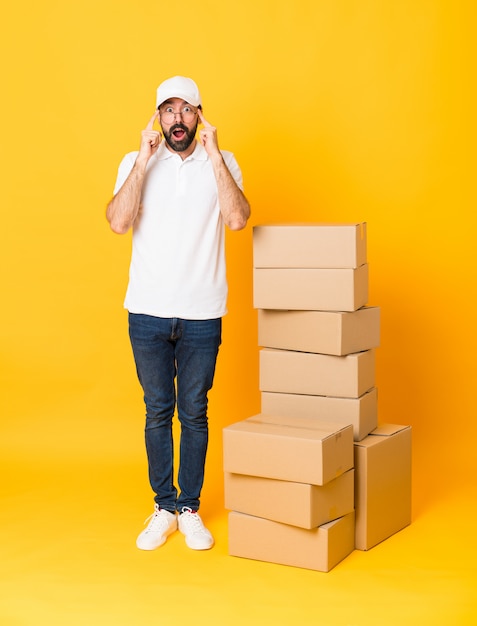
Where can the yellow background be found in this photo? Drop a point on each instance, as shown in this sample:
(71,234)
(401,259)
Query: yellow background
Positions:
(337,110)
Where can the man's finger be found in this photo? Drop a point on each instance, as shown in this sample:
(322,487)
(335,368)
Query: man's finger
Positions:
(202,119)
(150,124)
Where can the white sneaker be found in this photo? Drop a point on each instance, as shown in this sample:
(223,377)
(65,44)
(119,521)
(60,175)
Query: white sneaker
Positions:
(162,523)
(196,534)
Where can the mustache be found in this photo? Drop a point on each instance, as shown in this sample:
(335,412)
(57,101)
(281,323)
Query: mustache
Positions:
(178,127)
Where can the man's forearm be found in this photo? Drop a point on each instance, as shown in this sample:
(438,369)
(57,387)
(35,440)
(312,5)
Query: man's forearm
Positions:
(234,206)
(122,210)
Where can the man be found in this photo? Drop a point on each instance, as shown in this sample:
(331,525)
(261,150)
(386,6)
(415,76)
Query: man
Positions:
(177,194)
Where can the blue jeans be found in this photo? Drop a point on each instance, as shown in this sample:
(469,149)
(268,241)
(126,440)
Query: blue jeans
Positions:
(165,349)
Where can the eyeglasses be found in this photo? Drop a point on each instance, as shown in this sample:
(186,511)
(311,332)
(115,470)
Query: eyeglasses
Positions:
(168,115)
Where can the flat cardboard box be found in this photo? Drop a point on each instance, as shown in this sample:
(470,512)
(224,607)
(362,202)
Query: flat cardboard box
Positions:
(299,450)
(382,484)
(309,245)
(297,504)
(310,289)
(318,549)
(361,413)
(325,332)
(285,371)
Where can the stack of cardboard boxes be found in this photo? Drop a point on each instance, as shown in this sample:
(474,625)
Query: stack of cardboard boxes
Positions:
(312,476)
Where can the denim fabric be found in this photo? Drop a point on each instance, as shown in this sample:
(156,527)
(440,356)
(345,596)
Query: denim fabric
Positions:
(175,359)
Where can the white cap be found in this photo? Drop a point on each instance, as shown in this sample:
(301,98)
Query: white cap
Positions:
(178,87)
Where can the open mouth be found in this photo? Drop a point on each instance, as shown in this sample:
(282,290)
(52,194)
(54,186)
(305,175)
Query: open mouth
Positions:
(179,133)
(179,137)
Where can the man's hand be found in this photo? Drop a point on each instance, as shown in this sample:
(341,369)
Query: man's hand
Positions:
(124,207)
(208,136)
(233,204)
(150,139)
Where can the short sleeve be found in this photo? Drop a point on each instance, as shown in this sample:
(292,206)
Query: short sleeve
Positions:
(124,170)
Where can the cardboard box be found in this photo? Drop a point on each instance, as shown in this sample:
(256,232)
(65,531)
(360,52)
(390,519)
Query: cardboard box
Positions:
(382,484)
(302,450)
(310,289)
(324,332)
(297,504)
(361,413)
(265,540)
(309,245)
(286,371)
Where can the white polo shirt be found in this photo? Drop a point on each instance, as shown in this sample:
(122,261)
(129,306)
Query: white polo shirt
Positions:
(178,250)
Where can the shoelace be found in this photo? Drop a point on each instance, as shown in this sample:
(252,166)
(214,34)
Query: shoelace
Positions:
(156,521)
(192,520)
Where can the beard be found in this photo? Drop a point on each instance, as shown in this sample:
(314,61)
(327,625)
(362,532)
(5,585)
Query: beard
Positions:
(179,145)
